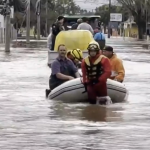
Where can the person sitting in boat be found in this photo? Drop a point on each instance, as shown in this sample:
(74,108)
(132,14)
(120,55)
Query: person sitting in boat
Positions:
(85,26)
(96,69)
(75,55)
(75,25)
(63,69)
(118,71)
(56,28)
(99,37)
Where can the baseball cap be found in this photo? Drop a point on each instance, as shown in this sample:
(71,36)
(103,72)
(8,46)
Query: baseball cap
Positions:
(108,48)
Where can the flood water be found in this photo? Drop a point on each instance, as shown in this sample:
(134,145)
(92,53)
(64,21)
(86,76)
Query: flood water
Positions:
(28,121)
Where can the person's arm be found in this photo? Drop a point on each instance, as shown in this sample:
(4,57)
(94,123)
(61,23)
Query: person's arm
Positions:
(103,36)
(79,27)
(106,69)
(61,27)
(54,29)
(63,77)
(91,29)
(74,69)
(96,36)
(73,27)
(56,71)
(120,70)
(83,71)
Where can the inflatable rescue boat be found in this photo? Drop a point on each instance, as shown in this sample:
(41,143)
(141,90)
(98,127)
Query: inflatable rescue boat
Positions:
(74,91)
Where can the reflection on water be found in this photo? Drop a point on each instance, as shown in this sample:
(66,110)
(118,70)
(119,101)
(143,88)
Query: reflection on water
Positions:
(92,113)
(28,121)
(101,113)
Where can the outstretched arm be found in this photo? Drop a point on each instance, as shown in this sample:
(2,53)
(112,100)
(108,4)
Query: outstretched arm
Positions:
(120,70)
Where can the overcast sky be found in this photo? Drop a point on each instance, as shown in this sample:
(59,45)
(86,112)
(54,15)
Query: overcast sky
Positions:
(90,4)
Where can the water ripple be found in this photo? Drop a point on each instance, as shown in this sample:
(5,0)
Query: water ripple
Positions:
(28,121)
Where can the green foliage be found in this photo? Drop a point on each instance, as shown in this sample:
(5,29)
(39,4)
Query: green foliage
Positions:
(137,9)
(55,8)
(103,11)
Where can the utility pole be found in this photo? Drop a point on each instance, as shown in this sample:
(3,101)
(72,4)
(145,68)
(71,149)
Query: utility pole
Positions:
(38,19)
(38,27)
(146,11)
(123,26)
(46,17)
(7,27)
(109,19)
(28,24)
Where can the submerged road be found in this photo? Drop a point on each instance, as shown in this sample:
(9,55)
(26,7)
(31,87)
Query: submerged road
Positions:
(28,121)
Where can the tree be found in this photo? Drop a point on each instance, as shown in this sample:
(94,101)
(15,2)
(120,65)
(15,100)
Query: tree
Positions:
(55,8)
(137,10)
(103,11)
(20,13)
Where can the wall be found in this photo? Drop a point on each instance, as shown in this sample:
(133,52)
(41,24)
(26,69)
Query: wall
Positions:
(131,32)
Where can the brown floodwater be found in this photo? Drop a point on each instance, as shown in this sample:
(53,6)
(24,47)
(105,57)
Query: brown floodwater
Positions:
(28,121)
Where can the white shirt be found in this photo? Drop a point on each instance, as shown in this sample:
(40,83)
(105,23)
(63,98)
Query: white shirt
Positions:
(49,41)
(85,26)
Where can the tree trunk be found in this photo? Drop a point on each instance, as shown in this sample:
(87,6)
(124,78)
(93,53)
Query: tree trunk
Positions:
(140,25)
(140,31)
(105,29)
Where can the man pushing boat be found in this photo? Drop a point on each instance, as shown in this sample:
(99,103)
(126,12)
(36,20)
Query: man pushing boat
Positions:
(96,69)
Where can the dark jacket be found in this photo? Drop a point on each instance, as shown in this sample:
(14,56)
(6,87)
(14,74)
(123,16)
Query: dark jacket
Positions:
(74,26)
(66,67)
(56,28)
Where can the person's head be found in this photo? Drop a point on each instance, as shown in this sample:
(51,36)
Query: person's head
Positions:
(60,19)
(108,51)
(75,55)
(79,21)
(84,19)
(62,50)
(93,48)
(97,29)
